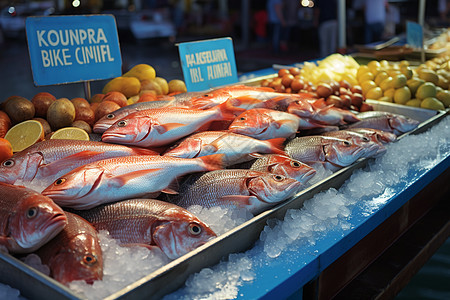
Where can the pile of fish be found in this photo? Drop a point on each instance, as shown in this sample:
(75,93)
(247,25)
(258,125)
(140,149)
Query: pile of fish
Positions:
(235,147)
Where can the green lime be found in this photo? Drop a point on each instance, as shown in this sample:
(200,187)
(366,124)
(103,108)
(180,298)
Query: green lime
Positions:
(402,95)
(414,84)
(374,93)
(426,90)
(432,103)
(413,102)
(444,97)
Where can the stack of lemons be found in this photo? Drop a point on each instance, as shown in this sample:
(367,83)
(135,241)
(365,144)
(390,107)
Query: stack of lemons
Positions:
(401,84)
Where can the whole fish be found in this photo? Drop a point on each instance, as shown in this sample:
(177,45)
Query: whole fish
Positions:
(122,178)
(264,124)
(44,162)
(278,164)
(253,190)
(332,153)
(386,121)
(373,147)
(376,135)
(106,121)
(162,126)
(328,115)
(151,223)
(28,219)
(236,147)
(75,253)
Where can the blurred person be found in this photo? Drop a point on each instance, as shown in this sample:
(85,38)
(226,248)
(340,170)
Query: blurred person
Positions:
(375,17)
(260,25)
(290,13)
(325,19)
(276,22)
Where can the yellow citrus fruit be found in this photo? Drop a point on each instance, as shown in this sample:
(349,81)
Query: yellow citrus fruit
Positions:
(177,86)
(432,103)
(25,134)
(367,85)
(374,93)
(389,93)
(387,83)
(413,102)
(444,97)
(402,95)
(385,99)
(374,66)
(407,72)
(380,77)
(399,81)
(163,84)
(426,90)
(70,133)
(362,70)
(141,72)
(414,84)
(428,75)
(366,76)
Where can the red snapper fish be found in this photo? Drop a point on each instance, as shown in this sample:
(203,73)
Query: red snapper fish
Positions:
(279,164)
(44,162)
(333,153)
(253,190)
(378,136)
(385,121)
(264,124)
(122,178)
(235,147)
(151,223)
(75,253)
(28,219)
(106,121)
(162,126)
(373,148)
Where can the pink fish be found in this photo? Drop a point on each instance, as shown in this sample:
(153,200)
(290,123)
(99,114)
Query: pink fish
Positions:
(122,178)
(75,253)
(373,148)
(28,219)
(44,162)
(264,124)
(328,115)
(151,223)
(162,126)
(378,136)
(385,121)
(236,147)
(253,190)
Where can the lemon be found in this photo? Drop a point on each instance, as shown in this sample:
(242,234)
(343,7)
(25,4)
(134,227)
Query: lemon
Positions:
(374,93)
(380,77)
(393,72)
(413,102)
(367,85)
(141,72)
(25,134)
(407,72)
(444,97)
(402,95)
(389,93)
(362,70)
(429,76)
(387,83)
(426,90)
(432,103)
(443,82)
(366,76)
(385,99)
(404,63)
(177,86)
(414,84)
(374,65)
(399,81)
(163,84)
(70,133)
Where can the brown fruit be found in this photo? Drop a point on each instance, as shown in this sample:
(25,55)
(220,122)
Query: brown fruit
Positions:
(97,98)
(19,109)
(45,125)
(286,80)
(294,71)
(80,102)
(85,114)
(365,107)
(324,90)
(297,84)
(5,123)
(335,100)
(117,97)
(82,125)
(335,86)
(356,89)
(283,72)
(345,84)
(105,108)
(265,82)
(346,100)
(61,113)
(356,99)
(41,102)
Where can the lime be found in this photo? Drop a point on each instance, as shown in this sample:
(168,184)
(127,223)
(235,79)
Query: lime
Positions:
(414,84)
(426,90)
(380,77)
(399,81)
(402,95)
(25,134)
(444,97)
(413,102)
(374,93)
(428,76)
(432,103)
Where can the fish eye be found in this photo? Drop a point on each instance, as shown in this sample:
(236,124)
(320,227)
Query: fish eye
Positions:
(89,259)
(295,164)
(8,163)
(195,229)
(347,143)
(60,181)
(365,139)
(278,177)
(122,123)
(32,212)
(242,118)
(110,116)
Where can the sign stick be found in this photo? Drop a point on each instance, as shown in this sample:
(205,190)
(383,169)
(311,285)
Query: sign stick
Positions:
(87,89)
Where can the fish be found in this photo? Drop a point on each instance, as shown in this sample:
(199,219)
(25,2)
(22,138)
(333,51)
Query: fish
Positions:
(162,126)
(328,115)
(252,190)
(278,164)
(333,153)
(385,121)
(235,147)
(106,121)
(376,135)
(42,163)
(28,219)
(373,147)
(121,178)
(151,223)
(75,253)
(264,124)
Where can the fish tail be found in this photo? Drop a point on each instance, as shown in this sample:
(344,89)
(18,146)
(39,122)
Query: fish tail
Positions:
(277,145)
(228,111)
(214,161)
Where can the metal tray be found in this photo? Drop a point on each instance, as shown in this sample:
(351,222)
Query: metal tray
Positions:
(35,285)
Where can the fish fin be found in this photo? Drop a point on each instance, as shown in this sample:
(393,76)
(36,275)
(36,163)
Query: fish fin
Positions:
(149,247)
(167,127)
(238,200)
(214,161)
(169,191)
(66,162)
(256,155)
(229,111)
(277,145)
(172,188)
(280,123)
(121,180)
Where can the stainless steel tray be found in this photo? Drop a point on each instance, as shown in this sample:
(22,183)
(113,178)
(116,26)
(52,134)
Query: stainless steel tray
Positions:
(35,285)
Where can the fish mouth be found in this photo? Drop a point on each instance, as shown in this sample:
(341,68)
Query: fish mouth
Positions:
(110,135)
(52,194)
(58,220)
(100,128)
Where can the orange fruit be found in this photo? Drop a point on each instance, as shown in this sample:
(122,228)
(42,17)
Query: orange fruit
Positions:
(5,123)
(6,150)
(25,134)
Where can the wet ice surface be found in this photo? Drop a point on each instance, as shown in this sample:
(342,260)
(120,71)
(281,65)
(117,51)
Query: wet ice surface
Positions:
(329,212)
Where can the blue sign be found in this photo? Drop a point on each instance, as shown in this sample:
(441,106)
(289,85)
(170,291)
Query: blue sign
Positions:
(66,49)
(207,64)
(414,34)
